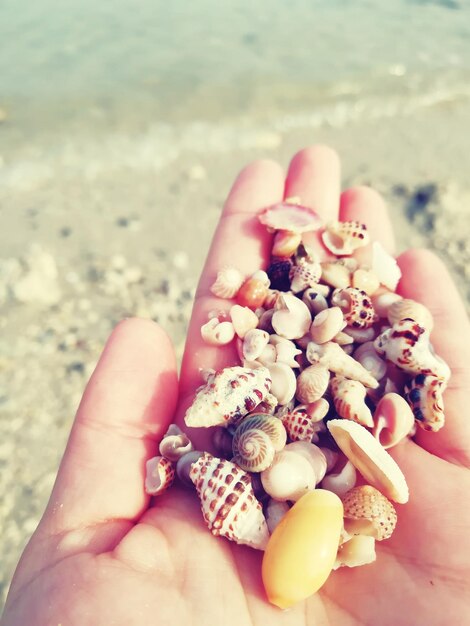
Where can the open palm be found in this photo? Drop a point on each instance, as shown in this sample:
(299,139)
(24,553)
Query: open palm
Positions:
(101,556)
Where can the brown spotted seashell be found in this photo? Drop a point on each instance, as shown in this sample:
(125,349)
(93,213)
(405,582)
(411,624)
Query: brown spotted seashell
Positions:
(298,424)
(333,357)
(349,400)
(356,307)
(303,276)
(228,502)
(256,440)
(312,383)
(424,395)
(160,475)
(368,512)
(292,217)
(228,395)
(228,282)
(175,443)
(278,273)
(410,309)
(342,238)
(285,243)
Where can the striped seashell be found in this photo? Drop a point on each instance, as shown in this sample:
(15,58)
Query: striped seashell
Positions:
(410,309)
(228,396)
(356,307)
(342,238)
(312,383)
(341,482)
(275,511)
(336,274)
(256,440)
(424,395)
(333,357)
(228,503)
(289,477)
(291,318)
(285,243)
(292,217)
(393,420)
(298,424)
(385,267)
(365,280)
(228,282)
(367,356)
(160,473)
(303,276)
(368,512)
(175,443)
(349,400)
(327,324)
(254,342)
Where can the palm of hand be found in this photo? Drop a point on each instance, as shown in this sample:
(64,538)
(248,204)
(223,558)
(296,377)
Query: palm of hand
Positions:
(100,556)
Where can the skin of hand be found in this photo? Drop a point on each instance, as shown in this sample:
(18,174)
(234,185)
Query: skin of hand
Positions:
(103,554)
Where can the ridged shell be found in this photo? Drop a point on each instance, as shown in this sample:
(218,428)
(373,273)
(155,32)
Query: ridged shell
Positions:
(341,482)
(278,272)
(342,238)
(368,512)
(228,282)
(228,502)
(160,475)
(292,217)
(285,243)
(289,477)
(291,318)
(298,424)
(256,440)
(424,395)
(327,324)
(175,443)
(312,383)
(349,400)
(333,357)
(356,307)
(367,356)
(228,396)
(410,309)
(393,420)
(304,276)
(385,267)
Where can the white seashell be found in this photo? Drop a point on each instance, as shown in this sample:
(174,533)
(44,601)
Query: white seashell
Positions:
(175,443)
(265,321)
(304,276)
(331,458)
(291,317)
(367,356)
(289,477)
(312,383)
(327,324)
(228,282)
(183,465)
(341,482)
(336,274)
(369,458)
(228,502)
(365,280)
(333,357)
(356,307)
(286,350)
(315,300)
(217,333)
(268,356)
(393,420)
(342,238)
(361,335)
(275,511)
(385,267)
(254,343)
(383,300)
(243,319)
(424,395)
(349,400)
(410,309)
(356,551)
(343,339)
(368,512)
(285,243)
(283,382)
(262,277)
(292,217)
(318,410)
(256,440)
(160,475)
(314,456)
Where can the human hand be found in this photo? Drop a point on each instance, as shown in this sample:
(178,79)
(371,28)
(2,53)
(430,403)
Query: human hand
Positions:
(100,556)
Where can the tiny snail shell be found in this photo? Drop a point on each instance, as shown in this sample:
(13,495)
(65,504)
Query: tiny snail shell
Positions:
(228,282)
(217,333)
(291,317)
(327,324)
(256,440)
(393,420)
(315,301)
(403,309)
(367,356)
(252,293)
(285,243)
(349,400)
(424,395)
(175,443)
(289,477)
(254,343)
(243,319)
(283,383)
(341,482)
(314,456)
(365,280)
(368,512)
(356,307)
(275,511)
(160,475)
(342,238)
(312,383)
(183,466)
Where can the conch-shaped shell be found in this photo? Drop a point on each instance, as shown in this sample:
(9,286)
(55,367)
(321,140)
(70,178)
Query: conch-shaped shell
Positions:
(283,382)
(342,238)
(254,343)
(370,459)
(327,324)
(368,512)
(303,276)
(160,475)
(336,274)
(217,333)
(175,443)
(410,309)
(183,465)
(393,420)
(385,267)
(349,400)
(367,356)
(256,440)
(275,511)
(424,395)
(228,502)
(314,456)
(333,357)
(243,319)
(228,282)
(356,551)
(228,396)
(285,243)
(315,300)
(292,217)
(312,383)
(341,482)
(365,280)
(291,318)
(298,424)
(289,477)
(407,345)
(356,307)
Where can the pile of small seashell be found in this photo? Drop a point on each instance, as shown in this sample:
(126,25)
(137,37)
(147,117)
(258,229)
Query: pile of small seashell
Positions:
(335,368)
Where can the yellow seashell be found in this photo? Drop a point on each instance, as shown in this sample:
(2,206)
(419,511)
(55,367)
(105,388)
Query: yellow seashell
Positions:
(302,549)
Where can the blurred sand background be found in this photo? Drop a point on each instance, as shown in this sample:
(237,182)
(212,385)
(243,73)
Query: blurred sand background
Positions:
(122,127)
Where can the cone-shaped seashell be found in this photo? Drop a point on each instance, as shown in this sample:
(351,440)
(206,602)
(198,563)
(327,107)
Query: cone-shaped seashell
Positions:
(367,356)
(368,512)
(314,456)
(410,309)
(356,307)
(175,443)
(285,243)
(289,476)
(327,324)
(312,383)
(228,396)
(243,319)
(278,273)
(292,217)
(424,395)
(370,459)
(342,238)
(228,502)
(304,276)
(252,293)
(228,282)
(393,420)
(298,424)
(183,466)
(315,300)
(407,345)
(275,511)
(349,400)
(356,551)
(217,333)
(268,356)
(341,482)
(383,300)
(160,475)
(256,440)
(343,339)
(283,382)
(254,342)
(262,276)
(385,267)
(365,280)
(333,357)
(335,274)
(291,318)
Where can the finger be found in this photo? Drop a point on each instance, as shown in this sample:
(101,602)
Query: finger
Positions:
(127,406)
(365,205)
(426,280)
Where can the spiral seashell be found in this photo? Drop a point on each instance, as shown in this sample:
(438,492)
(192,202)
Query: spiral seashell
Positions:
(283,382)
(393,420)
(292,217)
(367,356)
(289,477)
(217,333)
(303,276)
(160,475)
(356,307)
(228,282)
(243,319)
(327,324)
(228,396)
(341,482)
(424,395)
(342,238)
(183,466)
(365,280)
(333,357)
(285,350)
(278,273)
(368,512)
(410,309)
(256,440)
(312,383)
(275,511)
(314,456)
(254,342)
(175,443)
(228,502)
(336,274)
(252,293)
(315,300)
(349,400)
(291,318)
(298,424)
(385,267)
(356,551)
(285,243)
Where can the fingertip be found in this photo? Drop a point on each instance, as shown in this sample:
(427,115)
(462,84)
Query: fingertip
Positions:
(313,154)
(251,186)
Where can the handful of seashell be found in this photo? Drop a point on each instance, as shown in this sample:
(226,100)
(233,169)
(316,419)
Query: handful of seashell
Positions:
(336,368)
